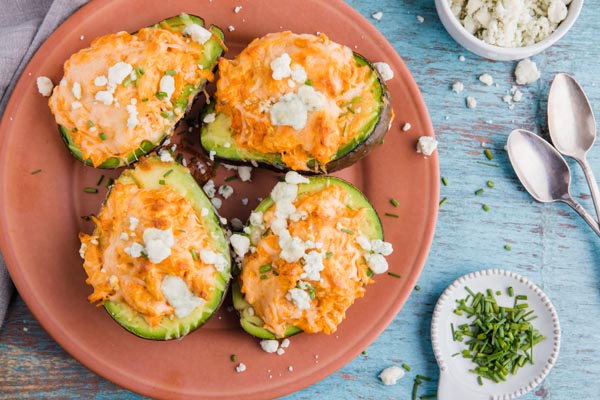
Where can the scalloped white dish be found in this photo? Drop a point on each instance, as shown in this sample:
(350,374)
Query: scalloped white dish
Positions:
(456,382)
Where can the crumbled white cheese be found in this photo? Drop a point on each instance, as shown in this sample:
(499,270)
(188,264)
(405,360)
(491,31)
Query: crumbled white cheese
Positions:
(75,105)
(381,247)
(513,23)
(226,191)
(256,218)
(517,96)
(216,202)
(76,90)
(245,173)
(406,127)
(82,250)
(197,33)
(461,58)
(204,212)
(471,102)
(158,244)
(165,156)
(179,296)
(231,28)
(280,351)
(420,19)
(363,242)
(124,236)
(313,265)
(390,375)
(212,258)
(240,244)
(100,81)
(208,118)
(210,188)
(298,74)
(384,70)
(104,96)
(269,345)
(299,297)
(376,262)
(458,87)
(167,86)
(295,178)
(237,9)
(135,250)
(313,99)
(117,73)
(526,72)
(377,15)
(292,247)
(241,367)
(133,223)
(486,79)
(281,67)
(290,111)
(132,119)
(244,201)
(426,145)
(285,343)
(44,85)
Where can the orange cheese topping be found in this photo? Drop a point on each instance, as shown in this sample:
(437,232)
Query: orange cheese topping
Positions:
(335,226)
(117,276)
(133,113)
(246,90)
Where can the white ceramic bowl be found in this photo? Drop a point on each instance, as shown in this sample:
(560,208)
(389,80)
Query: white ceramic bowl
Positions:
(483,49)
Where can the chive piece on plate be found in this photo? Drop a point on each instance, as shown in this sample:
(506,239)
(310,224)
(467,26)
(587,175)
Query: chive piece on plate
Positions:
(394,202)
(444,181)
(488,154)
(478,192)
(90,190)
(395,275)
(37,171)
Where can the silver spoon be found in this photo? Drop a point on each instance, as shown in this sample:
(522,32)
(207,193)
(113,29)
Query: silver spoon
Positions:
(572,126)
(543,171)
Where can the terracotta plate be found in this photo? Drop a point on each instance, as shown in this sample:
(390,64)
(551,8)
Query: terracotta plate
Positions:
(40,214)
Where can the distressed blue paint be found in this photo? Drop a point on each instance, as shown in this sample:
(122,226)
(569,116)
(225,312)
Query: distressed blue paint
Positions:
(550,244)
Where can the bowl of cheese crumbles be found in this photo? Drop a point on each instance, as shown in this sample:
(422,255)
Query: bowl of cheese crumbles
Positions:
(507,29)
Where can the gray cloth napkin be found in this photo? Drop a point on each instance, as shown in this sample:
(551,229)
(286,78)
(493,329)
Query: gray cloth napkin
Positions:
(24,25)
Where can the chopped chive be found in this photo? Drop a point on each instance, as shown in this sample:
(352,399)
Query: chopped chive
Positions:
(395,275)
(169,172)
(511,291)
(406,367)
(161,95)
(329,254)
(351,110)
(109,182)
(488,164)
(308,82)
(479,380)
(348,231)
(444,181)
(90,190)
(231,178)
(392,215)
(394,202)
(507,247)
(90,123)
(161,182)
(102,136)
(233,357)
(263,277)
(37,171)
(488,154)
(478,192)
(165,114)
(127,81)
(99,181)
(139,71)
(490,184)
(443,201)
(145,99)
(74,130)
(485,207)
(171,72)
(194,254)
(428,396)
(417,288)
(265,268)
(364,352)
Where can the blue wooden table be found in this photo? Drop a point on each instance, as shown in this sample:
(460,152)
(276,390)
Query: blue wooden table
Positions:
(549,244)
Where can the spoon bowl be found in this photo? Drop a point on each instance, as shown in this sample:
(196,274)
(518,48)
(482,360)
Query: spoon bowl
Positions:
(543,171)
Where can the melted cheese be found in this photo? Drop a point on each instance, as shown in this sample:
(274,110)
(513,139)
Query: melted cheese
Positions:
(248,87)
(115,106)
(117,275)
(341,281)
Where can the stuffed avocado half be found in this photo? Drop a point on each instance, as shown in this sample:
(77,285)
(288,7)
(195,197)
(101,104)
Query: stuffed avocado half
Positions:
(158,259)
(123,95)
(306,254)
(296,102)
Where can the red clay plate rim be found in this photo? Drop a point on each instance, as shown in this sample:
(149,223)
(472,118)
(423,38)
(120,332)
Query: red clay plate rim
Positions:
(57,331)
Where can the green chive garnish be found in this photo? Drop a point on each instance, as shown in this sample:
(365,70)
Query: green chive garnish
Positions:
(417,288)
(169,172)
(37,171)
(490,184)
(395,275)
(161,182)
(194,254)
(109,182)
(394,202)
(507,247)
(145,99)
(485,207)
(233,358)
(444,200)
(406,367)
(488,154)
(90,123)
(161,95)
(488,164)
(428,396)
(231,178)
(444,181)
(102,136)
(127,81)
(308,82)
(329,254)
(171,72)
(348,231)
(511,291)
(99,181)
(392,215)
(165,114)
(90,190)
(263,277)
(264,268)
(478,192)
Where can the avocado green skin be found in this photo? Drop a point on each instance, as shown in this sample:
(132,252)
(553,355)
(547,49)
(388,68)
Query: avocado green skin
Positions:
(177,23)
(370,226)
(374,132)
(182,181)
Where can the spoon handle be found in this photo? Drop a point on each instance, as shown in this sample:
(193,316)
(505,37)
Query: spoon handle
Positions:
(589,176)
(583,214)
